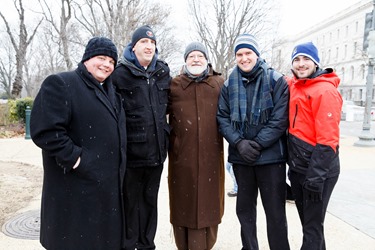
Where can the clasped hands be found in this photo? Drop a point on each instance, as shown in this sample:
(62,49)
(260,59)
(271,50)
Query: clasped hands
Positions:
(249,150)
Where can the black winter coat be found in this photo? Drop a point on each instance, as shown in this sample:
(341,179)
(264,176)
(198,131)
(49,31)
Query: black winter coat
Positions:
(271,136)
(72,116)
(145,99)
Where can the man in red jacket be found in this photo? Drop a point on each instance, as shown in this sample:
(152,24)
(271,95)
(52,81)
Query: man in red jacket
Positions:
(313,140)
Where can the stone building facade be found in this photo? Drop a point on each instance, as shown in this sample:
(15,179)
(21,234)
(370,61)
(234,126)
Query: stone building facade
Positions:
(340,43)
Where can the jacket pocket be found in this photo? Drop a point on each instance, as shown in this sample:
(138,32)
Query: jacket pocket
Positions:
(88,167)
(163,91)
(137,137)
(299,152)
(132,98)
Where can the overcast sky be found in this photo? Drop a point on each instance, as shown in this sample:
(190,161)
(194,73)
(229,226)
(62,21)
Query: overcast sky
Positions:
(296,15)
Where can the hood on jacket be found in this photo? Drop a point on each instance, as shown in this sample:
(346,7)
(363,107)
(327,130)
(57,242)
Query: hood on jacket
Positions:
(327,75)
(129,56)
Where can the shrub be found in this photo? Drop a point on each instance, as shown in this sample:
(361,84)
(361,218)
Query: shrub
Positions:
(17,109)
(4,114)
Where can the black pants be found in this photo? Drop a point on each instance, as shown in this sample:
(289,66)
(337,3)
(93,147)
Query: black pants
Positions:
(270,180)
(311,213)
(141,198)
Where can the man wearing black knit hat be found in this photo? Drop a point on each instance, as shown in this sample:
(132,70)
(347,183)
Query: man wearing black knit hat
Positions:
(143,81)
(253,118)
(78,122)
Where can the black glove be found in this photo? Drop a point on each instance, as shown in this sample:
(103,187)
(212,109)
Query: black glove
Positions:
(313,191)
(255,145)
(247,152)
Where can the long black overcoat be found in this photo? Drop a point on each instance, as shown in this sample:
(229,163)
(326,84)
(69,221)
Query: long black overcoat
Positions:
(74,116)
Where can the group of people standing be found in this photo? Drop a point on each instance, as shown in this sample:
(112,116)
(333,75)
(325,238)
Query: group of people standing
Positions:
(106,129)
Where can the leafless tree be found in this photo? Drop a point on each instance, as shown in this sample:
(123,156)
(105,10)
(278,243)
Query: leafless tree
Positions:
(116,19)
(20,42)
(60,26)
(230,18)
(57,43)
(7,68)
(119,18)
(280,61)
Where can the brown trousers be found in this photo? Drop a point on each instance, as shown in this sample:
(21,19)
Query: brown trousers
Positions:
(195,239)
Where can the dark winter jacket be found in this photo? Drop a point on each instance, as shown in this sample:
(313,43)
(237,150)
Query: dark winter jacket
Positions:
(145,99)
(314,127)
(271,135)
(73,117)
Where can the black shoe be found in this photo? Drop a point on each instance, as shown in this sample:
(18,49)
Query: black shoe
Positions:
(232,194)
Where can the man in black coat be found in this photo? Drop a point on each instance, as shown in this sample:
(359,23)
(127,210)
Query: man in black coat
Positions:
(143,82)
(78,122)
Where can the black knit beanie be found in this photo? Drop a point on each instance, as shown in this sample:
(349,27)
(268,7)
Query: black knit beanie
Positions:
(143,32)
(100,46)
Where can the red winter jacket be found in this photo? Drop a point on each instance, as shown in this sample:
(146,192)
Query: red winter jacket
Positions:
(314,118)
(315,109)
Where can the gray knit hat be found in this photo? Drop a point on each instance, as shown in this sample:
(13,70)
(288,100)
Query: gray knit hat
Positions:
(100,46)
(246,41)
(195,46)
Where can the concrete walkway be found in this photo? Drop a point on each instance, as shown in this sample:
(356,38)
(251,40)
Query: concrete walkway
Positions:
(350,221)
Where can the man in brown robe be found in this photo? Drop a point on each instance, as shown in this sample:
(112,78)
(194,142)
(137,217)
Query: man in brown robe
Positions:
(196,158)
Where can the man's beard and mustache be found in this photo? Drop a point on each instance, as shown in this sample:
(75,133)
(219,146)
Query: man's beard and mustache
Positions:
(197,70)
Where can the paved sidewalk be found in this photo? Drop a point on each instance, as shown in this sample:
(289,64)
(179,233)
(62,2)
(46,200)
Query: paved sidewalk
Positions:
(350,221)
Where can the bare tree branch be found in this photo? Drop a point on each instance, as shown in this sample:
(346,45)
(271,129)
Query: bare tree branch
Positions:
(230,18)
(7,70)
(20,48)
(62,28)
(119,18)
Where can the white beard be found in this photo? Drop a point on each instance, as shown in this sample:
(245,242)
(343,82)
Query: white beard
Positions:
(196,70)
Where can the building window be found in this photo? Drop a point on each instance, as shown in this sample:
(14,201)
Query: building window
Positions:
(342,74)
(337,53)
(345,50)
(330,36)
(329,56)
(363,71)
(355,49)
(338,33)
(352,72)
(361,94)
(356,27)
(347,31)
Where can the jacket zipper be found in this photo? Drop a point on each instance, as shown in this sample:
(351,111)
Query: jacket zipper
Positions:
(295,116)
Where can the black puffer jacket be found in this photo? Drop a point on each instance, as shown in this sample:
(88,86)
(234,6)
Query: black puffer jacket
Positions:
(145,99)
(271,136)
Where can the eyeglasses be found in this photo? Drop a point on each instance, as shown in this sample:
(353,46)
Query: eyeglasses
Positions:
(192,57)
